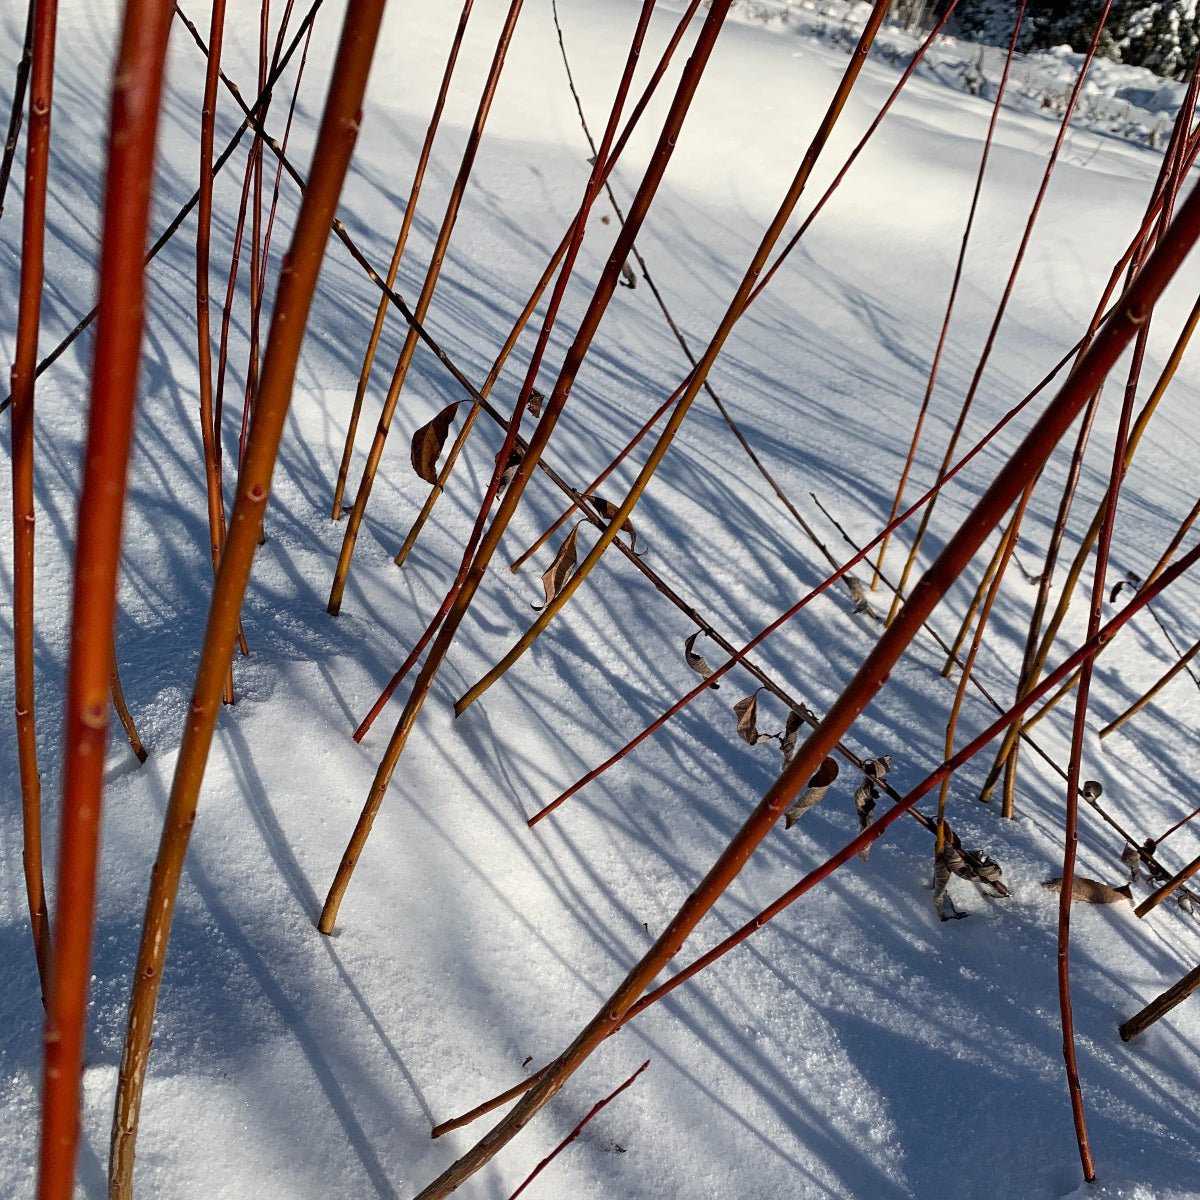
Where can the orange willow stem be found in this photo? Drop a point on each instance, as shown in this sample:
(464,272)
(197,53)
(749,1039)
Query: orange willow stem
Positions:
(954,285)
(209,434)
(335,143)
(354,523)
(1002,307)
(472,569)
(1029,457)
(903,804)
(33,263)
(698,375)
(410,211)
(134,123)
(277,183)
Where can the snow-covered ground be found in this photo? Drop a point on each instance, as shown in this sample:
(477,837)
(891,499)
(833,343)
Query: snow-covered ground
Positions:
(855,1048)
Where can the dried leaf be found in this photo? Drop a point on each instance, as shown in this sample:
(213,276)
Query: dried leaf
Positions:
(696,661)
(787,743)
(747,715)
(978,867)
(877,768)
(862,606)
(561,569)
(864,805)
(814,793)
(1092,791)
(1133,861)
(428,441)
(536,400)
(1092,891)
(945,865)
(608,510)
(1130,580)
(510,467)
(628,278)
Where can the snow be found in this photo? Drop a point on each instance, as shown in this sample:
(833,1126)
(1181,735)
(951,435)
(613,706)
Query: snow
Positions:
(855,1047)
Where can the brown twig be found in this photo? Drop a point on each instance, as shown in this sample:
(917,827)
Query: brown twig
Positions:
(17,112)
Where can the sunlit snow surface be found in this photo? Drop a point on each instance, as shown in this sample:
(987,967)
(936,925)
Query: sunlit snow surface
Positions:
(857,1047)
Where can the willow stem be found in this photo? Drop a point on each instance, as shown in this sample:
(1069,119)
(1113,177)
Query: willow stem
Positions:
(134,114)
(29,313)
(331,158)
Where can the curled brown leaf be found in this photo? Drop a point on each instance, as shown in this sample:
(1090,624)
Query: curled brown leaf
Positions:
(814,793)
(562,568)
(696,661)
(428,441)
(747,719)
(608,510)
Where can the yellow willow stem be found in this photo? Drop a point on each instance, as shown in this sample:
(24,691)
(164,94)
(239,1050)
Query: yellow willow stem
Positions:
(1008,543)
(1138,705)
(973,607)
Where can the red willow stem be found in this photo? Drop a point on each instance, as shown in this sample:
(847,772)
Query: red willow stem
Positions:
(209,433)
(254,164)
(410,211)
(1178,825)
(1130,313)
(297,283)
(1037,647)
(29,312)
(17,113)
(137,93)
(597,1107)
(954,285)
(472,569)
(903,804)
(277,183)
(781,258)
(993,331)
(1074,765)
(432,275)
